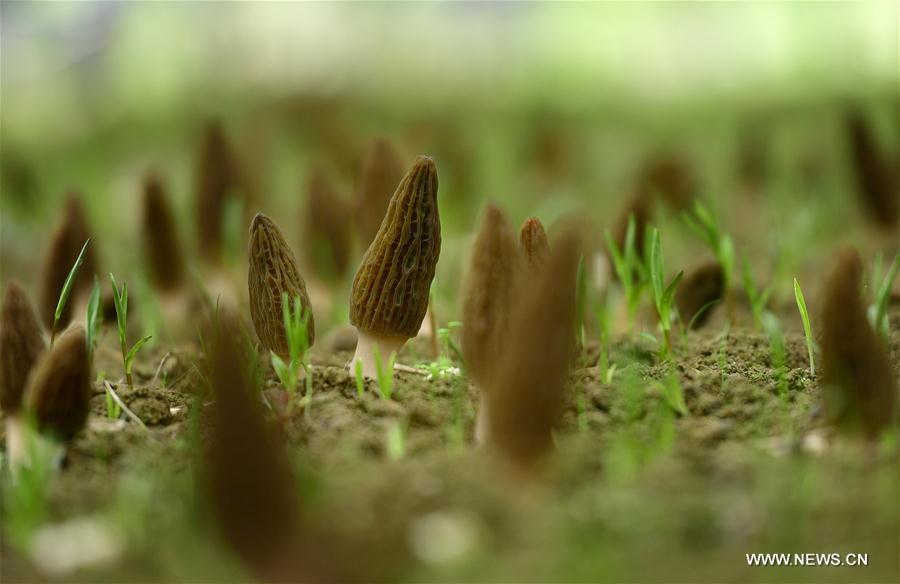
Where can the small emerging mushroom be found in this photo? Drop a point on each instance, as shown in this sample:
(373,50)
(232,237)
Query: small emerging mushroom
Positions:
(272,272)
(878,190)
(328,234)
(217,179)
(860,391)
(379,172)
(489,290)
(526,387)
(58,393)
(533,244)
(21,343)
(65,244)
(391,289)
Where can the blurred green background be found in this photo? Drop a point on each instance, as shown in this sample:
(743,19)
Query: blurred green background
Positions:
(544,107)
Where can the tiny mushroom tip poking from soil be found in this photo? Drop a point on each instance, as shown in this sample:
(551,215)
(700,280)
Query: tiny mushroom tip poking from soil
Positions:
(391,288)
(273,272)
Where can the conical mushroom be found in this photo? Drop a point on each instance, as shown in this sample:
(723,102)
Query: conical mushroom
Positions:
(488,295)
(379,172)
(878,191)
(21,343)
(533,244)
(860,391)
(59,389)
(328,234)
(273,271)
(391,288)
(162,247)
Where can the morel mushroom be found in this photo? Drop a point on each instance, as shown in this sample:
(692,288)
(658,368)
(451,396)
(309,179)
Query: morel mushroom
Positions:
(878,189)
(273,272)
(701,287)
(860,391)
(525,393)
(162,247)
(328,235)
(379,173)
(59,389)
(533,244)
(486,303)
(21,343)
(391,289)
(65,245)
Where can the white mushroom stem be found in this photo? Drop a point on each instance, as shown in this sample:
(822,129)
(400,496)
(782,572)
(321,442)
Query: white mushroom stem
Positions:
(365,353)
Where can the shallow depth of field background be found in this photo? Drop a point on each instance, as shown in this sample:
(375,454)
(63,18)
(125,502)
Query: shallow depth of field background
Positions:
(545,108)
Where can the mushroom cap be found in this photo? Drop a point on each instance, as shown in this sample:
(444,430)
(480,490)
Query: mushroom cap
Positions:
(273,271)
(162,247)
(21,343)
(391,289)
(489,291)
(533,243)
(65,244)
(59,388)
(856,371)
(877,189)
(379,172)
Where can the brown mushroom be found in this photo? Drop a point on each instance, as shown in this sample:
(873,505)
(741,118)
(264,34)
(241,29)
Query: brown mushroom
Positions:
(379,172)
(328,234)
(878,190)
(21,343)
(533,244)
(272,272)
(860,391)
(489,290)
(162,248)
(703,285)
(391,289)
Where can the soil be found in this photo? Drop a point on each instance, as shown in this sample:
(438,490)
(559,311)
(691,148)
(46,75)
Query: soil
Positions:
(634,490)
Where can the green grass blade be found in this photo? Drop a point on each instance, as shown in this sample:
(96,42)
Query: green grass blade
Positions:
(70,281)
(807,329)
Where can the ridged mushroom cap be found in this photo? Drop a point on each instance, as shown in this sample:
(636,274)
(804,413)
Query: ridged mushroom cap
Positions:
(59,388)
(391,289)
(273,271)
(533,243)
(21,343)
(488,295)
(162,247)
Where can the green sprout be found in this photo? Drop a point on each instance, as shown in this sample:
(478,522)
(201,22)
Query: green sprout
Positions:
(777,350)
(113,409)
(670,388)
(296,327)
(878,309)
(445,365)
(663,293)
(384,374)
(26,489)
(628,267)
(360,380)
(704,224)
(66,291)
(580,301)
(92,321)
(396,440)
(604,323)
(120,298)
(807,329)
(758,298)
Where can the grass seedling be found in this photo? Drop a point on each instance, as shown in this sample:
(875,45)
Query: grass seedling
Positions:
(628,267)
(396,441)
(113,410)
(882,287)
(663,293)
(360,379)
(296,326)
(384,374)
(580,301)
(777,350)
(758,298)
(92,321)
(604,324)
(670,388)
(120,298)
(807,329)
(66,291)
(26,489)
(702,222)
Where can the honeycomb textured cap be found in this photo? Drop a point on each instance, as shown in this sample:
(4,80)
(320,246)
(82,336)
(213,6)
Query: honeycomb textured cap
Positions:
(273,271)
(379,173)
(533,243)
(488,292)
(59,388)
(391,288)
(162,247)
(21,343)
